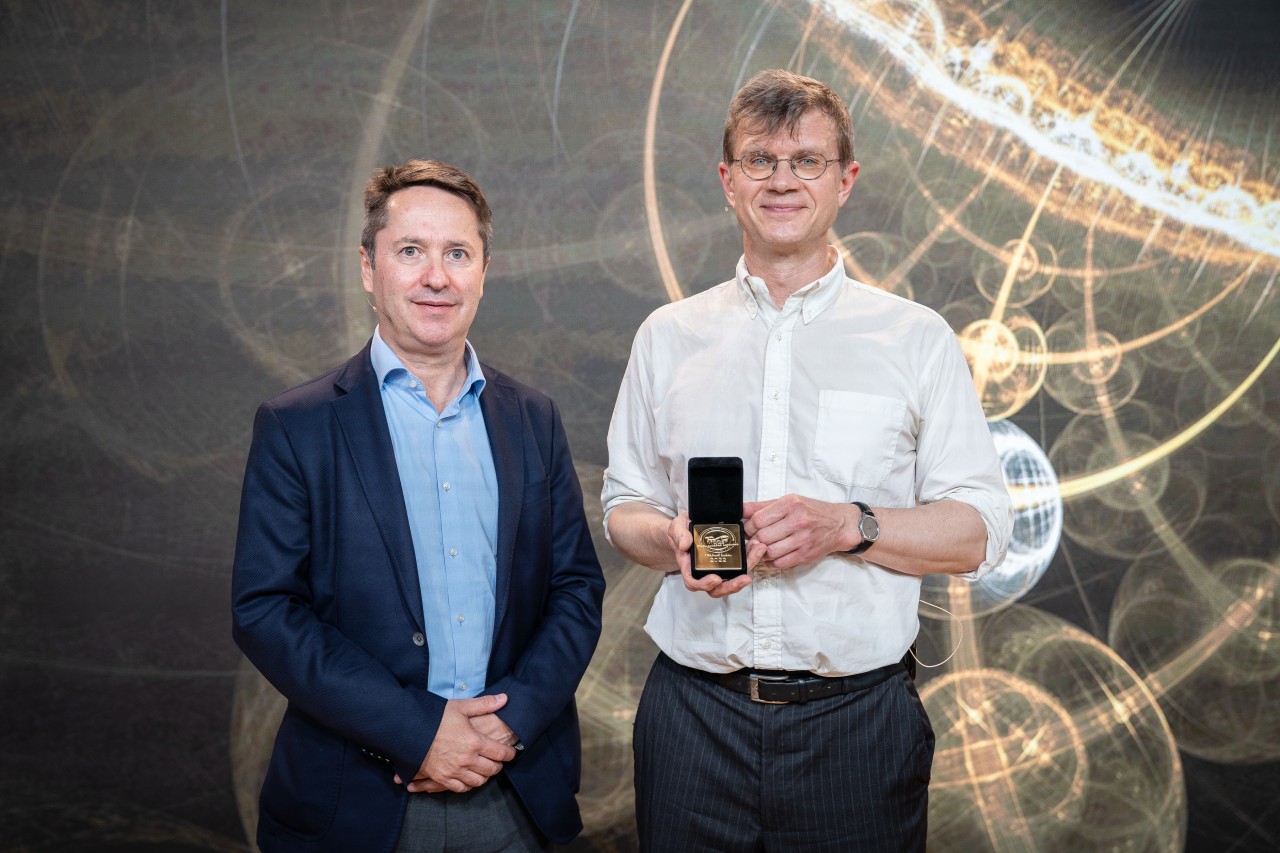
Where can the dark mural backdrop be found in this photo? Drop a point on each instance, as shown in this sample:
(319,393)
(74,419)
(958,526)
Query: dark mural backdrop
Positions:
(1087,191)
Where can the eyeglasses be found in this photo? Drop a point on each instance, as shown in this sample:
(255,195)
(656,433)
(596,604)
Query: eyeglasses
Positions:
(806,167)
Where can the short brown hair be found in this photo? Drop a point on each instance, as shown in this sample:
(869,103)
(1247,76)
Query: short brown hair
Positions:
(420,173)
(777,99)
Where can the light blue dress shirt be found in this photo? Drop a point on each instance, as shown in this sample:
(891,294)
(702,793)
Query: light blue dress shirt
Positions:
(451,495)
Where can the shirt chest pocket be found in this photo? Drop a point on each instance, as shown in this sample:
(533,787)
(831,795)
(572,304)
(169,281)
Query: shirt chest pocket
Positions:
(856,437)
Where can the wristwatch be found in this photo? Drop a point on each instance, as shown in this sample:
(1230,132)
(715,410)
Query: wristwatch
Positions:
(868,526)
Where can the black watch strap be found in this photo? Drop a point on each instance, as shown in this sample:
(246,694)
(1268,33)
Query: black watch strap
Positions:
(866,542)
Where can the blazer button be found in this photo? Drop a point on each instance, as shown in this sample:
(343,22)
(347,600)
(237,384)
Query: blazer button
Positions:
(418,639)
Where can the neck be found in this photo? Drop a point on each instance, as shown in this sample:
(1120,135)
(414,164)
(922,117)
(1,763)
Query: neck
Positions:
(441,376)
(784,274)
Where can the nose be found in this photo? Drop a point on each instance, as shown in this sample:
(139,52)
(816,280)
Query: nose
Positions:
(782,178)
(433,275)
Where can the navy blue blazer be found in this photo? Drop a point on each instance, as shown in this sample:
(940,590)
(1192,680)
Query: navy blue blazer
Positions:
(326,604)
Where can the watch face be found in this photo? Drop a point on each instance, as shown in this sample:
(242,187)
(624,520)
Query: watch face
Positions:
(869,527)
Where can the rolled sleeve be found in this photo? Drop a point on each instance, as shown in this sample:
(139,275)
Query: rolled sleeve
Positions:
(956,455)
(635,472)
(996,512)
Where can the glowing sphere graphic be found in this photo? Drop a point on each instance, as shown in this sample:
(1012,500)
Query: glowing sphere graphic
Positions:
(1037,524)
(1056,745)
(1211,640)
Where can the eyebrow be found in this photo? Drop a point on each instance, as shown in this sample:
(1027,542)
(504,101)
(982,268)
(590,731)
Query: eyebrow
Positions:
(449,244)
(800,153)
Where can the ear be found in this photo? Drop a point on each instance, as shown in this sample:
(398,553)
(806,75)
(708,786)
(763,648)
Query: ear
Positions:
(366,271)
(726,182)
(847,177)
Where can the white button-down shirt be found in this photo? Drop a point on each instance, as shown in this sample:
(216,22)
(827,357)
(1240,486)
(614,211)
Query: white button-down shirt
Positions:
(846,393)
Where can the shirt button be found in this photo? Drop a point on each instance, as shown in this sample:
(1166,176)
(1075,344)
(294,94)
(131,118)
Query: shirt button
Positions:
(779,336)
(453,552)
(439,424)
(776,395)
(447,487)
(462,685)
(773,457)
(461,618)
(766,645)
(418,639)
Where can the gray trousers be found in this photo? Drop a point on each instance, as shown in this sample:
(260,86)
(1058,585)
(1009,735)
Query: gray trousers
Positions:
(718,772)
(487,819)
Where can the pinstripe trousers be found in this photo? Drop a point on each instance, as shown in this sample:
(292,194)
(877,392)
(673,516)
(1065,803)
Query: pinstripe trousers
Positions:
(718,772)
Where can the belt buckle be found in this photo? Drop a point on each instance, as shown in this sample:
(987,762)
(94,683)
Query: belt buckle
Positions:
(756,678)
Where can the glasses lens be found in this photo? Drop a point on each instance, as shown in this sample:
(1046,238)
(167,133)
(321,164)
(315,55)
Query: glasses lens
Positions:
(758,166)
(761,166)
(809,167)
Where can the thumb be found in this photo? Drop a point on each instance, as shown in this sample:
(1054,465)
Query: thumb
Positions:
(481,705)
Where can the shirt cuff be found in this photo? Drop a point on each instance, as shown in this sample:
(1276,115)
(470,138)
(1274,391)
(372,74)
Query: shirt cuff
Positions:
(996,513)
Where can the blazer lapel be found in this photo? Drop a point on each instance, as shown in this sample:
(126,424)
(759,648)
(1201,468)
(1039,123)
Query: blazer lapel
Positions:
(503,423)
(364,425)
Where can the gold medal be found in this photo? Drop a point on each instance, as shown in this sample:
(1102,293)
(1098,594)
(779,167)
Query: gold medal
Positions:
(717,547)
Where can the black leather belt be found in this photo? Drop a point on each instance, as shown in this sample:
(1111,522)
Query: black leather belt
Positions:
(782,686)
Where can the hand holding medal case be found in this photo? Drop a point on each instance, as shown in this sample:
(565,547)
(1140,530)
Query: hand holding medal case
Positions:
(715,517)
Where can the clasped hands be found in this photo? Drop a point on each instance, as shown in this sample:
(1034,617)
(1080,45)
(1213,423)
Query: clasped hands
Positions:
(784,533)
(470,747)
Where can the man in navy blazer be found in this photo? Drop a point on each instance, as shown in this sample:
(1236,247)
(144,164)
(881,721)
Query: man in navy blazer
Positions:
(413,570)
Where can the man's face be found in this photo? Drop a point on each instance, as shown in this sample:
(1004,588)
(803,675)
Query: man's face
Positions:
(784,215)
(429,274)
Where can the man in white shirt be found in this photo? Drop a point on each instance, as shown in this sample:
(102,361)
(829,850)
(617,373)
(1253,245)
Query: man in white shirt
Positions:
(780,714)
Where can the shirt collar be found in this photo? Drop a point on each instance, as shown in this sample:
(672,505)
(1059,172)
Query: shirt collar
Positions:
(814,298)
(386,364)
